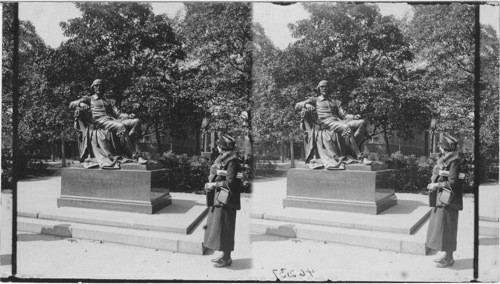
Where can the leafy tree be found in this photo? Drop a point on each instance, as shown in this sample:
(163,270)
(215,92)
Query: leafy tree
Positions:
(269,127)
(363,54)
(442,39)
(33,133)
(218,68)
(134,51)
(7,66)
(489,93)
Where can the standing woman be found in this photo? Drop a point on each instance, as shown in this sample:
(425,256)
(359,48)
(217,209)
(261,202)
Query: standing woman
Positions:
(443,223)
(221,220)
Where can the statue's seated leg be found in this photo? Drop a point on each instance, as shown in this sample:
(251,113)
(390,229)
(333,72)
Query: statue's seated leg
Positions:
(337,126)
(127,149)
(347,132)
(359,128)
(130,132)
(111,124)
(133,126)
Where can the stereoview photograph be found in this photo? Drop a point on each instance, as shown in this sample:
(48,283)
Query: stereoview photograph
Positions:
(240,141)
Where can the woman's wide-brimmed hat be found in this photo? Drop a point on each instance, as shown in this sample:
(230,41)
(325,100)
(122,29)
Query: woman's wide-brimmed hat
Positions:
(226,142)
(448,143)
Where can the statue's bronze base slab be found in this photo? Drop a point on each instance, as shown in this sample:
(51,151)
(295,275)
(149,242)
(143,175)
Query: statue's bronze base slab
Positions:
(130,190)
(358,191)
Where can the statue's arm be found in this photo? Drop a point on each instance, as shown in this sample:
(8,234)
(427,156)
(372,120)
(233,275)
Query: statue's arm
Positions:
(76,103)
(116,112)
(301,105)
(343,113)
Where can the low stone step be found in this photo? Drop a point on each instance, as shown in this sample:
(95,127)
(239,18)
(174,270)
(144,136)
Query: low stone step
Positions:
(182,217)
(404,243)
(174,242)
(487,228)
(404,218)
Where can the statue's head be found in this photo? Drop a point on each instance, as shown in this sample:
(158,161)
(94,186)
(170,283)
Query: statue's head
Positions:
(97,86)
(323,88)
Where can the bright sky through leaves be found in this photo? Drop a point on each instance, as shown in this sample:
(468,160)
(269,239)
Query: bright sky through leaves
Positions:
(46,17)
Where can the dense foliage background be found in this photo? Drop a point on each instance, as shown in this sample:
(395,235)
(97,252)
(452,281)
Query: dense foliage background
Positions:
(211,63)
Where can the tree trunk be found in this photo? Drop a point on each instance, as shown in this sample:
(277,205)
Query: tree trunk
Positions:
(386,140)
(53,151)
(426,143)
(63,151)
(292,155)
(433,134)
(197,144)
(282,151)
(250,155)
(303,152)
(158,140)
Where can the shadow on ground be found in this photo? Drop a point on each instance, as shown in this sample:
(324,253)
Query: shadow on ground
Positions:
(404,207)
(266,238)
(35,178)
(462,264)
(37,237)
(241,264)
(179,206)
(5,259)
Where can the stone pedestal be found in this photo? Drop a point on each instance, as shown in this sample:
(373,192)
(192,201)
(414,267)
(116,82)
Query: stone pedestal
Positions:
(359,189)
(133,188)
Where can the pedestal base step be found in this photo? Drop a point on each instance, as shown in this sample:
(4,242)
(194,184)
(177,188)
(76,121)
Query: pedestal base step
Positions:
(411,244)
(158,202)
(372,208)
(404,218)
(487,228)
(191,244)
(182,217)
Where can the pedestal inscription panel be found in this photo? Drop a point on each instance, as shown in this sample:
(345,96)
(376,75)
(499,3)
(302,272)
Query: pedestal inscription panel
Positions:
(134,190)
(360,191)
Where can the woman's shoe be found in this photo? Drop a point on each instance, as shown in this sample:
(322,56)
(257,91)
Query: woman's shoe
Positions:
(217,259)
(446,263)
(438,260)
(223,263)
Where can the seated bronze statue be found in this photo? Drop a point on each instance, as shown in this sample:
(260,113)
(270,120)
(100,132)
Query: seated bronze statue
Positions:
(105,134)
(333,136)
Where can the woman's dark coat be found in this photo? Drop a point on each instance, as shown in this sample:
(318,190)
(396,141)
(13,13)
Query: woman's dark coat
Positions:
(443,222)
(221,219)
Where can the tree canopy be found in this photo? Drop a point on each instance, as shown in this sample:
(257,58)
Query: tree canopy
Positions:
(218,41)
(398,74)
(365,57)
(442,38)
(212,62)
